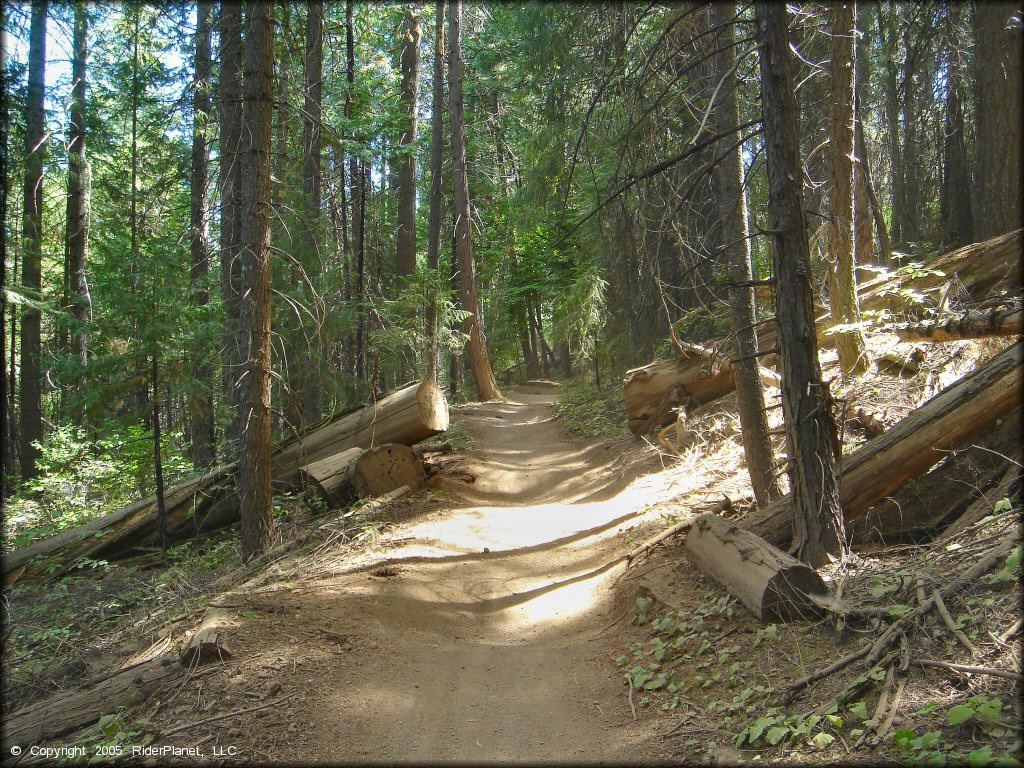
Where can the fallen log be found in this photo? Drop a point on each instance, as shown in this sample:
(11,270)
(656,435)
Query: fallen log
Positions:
(911,447)
(652,391)
(773,585)
(356,472)
(981,269)
(78,708)
(210,501)
(411,414)
(967,325)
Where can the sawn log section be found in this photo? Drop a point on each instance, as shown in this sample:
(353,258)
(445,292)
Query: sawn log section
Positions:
(210,501)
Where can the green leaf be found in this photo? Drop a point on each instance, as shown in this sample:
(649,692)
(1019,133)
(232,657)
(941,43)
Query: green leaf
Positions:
(859,709)
(835,720)
(927,740)
(959,714)
(776,734)
(987,709)
(250,614)
(822,741)
(980,757)
(757,727)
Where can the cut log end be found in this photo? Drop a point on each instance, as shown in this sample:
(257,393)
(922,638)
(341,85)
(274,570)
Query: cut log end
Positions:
(381,470)
(773,585)
(433,406)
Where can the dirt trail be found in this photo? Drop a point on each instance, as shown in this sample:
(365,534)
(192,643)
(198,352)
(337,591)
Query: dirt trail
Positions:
(479,633)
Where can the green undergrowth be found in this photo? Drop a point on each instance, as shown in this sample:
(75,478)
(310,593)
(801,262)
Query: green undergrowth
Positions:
(725,678)
(81,479)
(590,412)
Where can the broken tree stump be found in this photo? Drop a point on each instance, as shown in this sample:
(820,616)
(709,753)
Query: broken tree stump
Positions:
(773,585)
(357,472)
(651,391)
(913,445)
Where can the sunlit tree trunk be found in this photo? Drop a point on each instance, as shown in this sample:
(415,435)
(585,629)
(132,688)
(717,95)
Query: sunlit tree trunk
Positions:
(201,408)
(732,207)
(811,438)
(254,489)
(479,362)
(31,390)
(842,281)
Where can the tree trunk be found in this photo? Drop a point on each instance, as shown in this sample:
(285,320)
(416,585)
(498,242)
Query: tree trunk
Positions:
(231,163)
(201,415)
(76,298)
(842,281)
(409,36)
(31,390)
(310,372)
(7,436)
(358,181)
(480,363)
(436,188)
(366,473)
(255,493)
(773,585)
(945,423)
(997,65)
(811,439)
(957,188)
(158,465)
(968,325)
(732,209)
(864,170)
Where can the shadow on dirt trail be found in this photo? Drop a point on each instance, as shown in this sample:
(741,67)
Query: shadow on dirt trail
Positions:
(478,635)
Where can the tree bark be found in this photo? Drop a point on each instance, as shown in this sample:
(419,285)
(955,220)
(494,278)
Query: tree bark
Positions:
(436,186)
(31,390)
(842,281)
(773,585)
(77,708)
(255,493)
(479,361)
(7,436)
(201,416)
(310,372)
(697,376)
(357,179)
(77,291)
(230,209)
(957,189)
(945,423)
(811,439)
(998,85)
(409,64)
(967,325)
(732,210)
(366,473)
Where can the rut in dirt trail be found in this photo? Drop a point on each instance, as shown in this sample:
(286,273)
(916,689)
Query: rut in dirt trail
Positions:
(458,653)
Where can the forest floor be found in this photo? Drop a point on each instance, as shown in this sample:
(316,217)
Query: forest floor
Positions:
(473,631)
(493,617)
